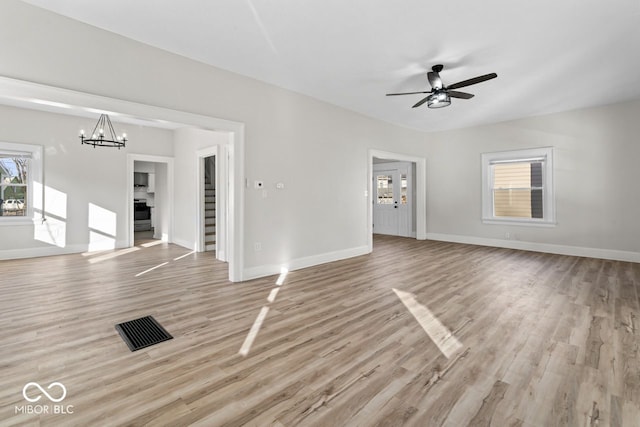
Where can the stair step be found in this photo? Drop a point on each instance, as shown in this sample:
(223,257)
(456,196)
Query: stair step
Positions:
(210,220)
(209,186)
(209,199)
(209,205)
(209,192)
(210,247)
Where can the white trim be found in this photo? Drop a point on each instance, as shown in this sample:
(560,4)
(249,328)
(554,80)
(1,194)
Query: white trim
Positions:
(18,221)
(184,244)
(310,261)
(421,191)
(24,91)
(580,251)
(131,159)
(549,210)
(520,221)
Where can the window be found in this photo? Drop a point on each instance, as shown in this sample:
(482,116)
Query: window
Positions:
(518,187)
(20,165)
(385,189)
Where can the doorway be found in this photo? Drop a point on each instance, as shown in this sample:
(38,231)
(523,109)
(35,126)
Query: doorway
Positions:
(209,206)
(213,201)
(393,204)
(418,191)
(150,197)
(77,103)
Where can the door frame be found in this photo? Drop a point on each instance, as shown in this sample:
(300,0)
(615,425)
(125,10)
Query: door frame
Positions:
(70,102)
(221,184)
(397,167)
(421,191)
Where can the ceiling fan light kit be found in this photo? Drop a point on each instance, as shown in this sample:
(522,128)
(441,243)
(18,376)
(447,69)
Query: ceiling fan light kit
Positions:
(440,95)
(438,100)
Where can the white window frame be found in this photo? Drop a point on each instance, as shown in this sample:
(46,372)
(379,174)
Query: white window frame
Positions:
(548,193)
(34,180)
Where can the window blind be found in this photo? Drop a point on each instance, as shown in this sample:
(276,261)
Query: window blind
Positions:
(517,188)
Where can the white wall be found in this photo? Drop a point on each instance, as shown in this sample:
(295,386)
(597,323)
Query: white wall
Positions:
(319,151)
(81,183)
(596,154)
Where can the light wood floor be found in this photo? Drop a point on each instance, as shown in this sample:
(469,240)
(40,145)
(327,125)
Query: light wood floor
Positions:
(532,339)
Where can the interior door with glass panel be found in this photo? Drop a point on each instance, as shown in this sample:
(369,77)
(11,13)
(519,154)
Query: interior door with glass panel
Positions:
(390,205)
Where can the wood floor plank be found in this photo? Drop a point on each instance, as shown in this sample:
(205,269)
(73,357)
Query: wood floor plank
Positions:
(543,339)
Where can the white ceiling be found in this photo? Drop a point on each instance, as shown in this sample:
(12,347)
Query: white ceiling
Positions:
(549,55)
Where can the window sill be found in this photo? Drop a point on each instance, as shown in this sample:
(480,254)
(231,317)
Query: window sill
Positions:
(515,221)
(4,221)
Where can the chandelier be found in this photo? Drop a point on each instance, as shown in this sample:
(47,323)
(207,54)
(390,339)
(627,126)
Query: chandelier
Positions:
(101,139)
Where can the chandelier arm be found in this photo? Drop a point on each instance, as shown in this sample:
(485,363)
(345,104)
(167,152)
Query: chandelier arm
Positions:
(93,134)
(114,137)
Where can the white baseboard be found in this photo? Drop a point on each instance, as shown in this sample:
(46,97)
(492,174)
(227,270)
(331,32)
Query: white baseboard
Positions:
(298,263)
(53,250)
(184,243)
(611,254)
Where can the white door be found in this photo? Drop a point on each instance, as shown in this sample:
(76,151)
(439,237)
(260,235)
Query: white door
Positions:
(391,203)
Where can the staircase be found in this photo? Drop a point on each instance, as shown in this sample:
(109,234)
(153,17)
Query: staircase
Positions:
(209,216)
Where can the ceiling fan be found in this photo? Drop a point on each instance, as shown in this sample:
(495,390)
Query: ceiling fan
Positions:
(440,95)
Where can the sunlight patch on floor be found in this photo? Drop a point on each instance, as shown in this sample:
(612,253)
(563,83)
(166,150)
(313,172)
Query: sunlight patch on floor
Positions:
(272,294)
(149,244)
(184,256)
(151,269)
(253,332)
(113,255)
(439,334)
(255,328)
(283,275)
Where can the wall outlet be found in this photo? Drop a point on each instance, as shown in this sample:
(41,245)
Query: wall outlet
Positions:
(507,235)
(257,246)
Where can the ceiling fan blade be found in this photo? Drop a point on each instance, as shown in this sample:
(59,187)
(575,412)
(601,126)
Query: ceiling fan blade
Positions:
(434,80)
(407,93)
(473,81)
(461,95)
(422,101)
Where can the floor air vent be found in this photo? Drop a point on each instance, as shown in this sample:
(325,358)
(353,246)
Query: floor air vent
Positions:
(142,332)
